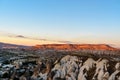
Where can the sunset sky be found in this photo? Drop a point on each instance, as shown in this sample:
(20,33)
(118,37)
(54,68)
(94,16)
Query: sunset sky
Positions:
(31,22)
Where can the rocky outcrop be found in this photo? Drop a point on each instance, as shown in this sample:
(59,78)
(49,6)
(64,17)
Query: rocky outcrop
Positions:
(68,67)
(74,47)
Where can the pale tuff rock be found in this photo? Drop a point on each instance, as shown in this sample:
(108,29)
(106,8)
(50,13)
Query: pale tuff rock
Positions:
(101,70)
(74,68)
(114,75)
(88,64)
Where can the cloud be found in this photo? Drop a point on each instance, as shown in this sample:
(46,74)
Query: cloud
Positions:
(25,37)
(67,42)
(41,39)
(17,36)
(21,36)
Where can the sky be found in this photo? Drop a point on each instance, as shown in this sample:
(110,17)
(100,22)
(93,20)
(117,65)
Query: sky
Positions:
(31,22)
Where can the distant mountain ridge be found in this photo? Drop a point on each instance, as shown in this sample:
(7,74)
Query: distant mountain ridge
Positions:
(75,47)
(59,46)
(11,46)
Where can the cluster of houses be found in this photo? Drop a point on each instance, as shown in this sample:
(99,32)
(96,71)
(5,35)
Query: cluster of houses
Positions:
(17,64)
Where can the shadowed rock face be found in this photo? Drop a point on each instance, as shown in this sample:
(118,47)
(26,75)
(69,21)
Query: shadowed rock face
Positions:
(74,47)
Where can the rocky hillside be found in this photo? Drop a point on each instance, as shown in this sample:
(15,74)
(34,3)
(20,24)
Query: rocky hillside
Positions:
(74,47)
(68,67)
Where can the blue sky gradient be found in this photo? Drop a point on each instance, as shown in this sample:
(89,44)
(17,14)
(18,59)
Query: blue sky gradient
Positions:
(81,21)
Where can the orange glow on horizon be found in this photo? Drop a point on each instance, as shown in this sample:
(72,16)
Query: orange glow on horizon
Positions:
(22,41)
(32,42)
